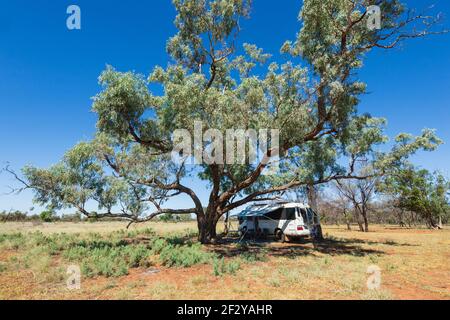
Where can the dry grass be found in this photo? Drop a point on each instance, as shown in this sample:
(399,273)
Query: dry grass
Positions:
(414,263)
(92,227)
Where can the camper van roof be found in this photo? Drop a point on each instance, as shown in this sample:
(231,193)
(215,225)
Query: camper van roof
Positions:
(262,209)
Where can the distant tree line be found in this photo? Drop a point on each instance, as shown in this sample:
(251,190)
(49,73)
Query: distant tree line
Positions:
(408,197)
(44,216)
(380,212)
(170,217)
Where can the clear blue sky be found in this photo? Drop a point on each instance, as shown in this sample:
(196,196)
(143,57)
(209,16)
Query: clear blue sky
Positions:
(48,74)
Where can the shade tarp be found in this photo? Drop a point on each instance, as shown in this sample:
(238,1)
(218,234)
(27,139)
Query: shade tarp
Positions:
(258,211)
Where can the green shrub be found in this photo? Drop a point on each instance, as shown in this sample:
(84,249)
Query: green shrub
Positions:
(107,258)
(158,245)
(167,217)
(107,255)
(47,216)
(184,256)
(37,259)
(12,241)
(220,267)
(180,239)
(137,256)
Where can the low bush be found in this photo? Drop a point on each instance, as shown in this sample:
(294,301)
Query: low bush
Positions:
(220,267)
(107,258)
(108,255)
(158,245)
(48,216)
(12,241)
(184,256)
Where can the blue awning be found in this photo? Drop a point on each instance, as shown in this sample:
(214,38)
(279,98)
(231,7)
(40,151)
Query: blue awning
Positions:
(255,211)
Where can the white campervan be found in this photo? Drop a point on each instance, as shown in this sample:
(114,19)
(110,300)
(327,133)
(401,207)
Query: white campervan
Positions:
(282,220)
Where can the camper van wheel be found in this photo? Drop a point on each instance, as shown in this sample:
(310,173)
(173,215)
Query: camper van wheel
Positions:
(280,236)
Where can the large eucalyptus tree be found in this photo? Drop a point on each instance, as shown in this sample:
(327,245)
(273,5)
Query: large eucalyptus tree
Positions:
(127,169)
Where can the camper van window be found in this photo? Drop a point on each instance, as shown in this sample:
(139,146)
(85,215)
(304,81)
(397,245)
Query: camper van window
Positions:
(290,214)
(274,215)
(303,212)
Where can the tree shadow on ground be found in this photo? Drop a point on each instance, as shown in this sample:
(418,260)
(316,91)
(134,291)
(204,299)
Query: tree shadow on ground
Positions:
(302,247)
(385,242)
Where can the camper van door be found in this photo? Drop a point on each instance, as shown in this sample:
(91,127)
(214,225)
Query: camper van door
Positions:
(270,221)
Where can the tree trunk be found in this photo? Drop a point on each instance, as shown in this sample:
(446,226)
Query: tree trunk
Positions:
(227,219)
(312,197)
(347,220)
(360,225)
(207,225)
(366,222)
(431,222)
(365,219)
(400,219)
(349,227)
(358,218)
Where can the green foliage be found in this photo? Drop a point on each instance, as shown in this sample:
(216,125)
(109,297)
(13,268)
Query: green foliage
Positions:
(19,216)
(12,241)
(183,218)
(47,216)
(419,191)
(106,258)
(97,255)
(220,267)
(167,217)
(184,256)
(170,217)
(111,255)
(158,245)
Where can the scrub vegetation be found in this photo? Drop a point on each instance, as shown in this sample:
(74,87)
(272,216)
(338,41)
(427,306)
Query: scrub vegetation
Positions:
(166,261)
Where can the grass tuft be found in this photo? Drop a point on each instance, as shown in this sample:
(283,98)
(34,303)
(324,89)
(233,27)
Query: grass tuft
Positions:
(184,256)
(220,267)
